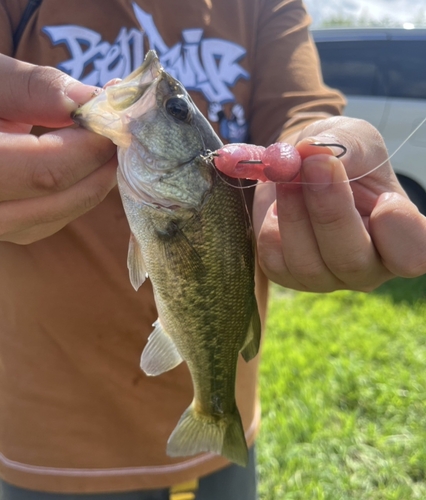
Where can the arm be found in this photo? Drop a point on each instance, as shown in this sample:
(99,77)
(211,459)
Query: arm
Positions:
(50,180)
(288,91)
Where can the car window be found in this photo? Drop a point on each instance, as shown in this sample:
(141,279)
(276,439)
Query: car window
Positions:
(393,68)
(352,67)
(406,68)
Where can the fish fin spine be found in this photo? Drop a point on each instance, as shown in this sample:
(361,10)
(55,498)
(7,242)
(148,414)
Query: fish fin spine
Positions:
(196,433)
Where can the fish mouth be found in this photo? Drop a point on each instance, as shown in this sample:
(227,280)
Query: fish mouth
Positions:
(107,113)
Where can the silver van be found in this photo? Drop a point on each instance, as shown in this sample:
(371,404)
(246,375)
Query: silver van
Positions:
(382,72)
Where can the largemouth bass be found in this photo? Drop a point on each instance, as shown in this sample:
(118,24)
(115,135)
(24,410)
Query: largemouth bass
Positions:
(191,234)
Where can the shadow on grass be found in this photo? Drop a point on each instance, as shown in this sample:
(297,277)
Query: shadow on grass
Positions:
(405,290)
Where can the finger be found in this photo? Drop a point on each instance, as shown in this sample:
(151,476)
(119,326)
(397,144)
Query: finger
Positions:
(269,252)
(29,220)
(343,240)
(265,224)
(365,147)
(300,248)
(14,127)
(286,247)
(365,151)
(399,232)
(34,166)
(39,95)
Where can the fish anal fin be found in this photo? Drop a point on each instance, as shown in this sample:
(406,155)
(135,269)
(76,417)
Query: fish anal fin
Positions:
(252,342)
(196,433)
(160,354)
(135,263)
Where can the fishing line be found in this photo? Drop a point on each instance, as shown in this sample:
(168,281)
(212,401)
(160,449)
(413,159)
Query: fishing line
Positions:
(392,155)
(223,179)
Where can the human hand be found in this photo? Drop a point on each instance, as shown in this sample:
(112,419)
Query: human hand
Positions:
(46,181)
(330,234)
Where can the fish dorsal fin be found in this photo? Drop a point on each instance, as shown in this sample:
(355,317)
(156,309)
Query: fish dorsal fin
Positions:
(252,342)
(135,263)
(160,354)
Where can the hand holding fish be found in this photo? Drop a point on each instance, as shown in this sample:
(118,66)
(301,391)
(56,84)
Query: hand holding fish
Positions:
(50,180)
(325,233)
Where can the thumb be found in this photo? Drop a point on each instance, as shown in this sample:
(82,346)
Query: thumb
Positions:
(363,147)
(39,95)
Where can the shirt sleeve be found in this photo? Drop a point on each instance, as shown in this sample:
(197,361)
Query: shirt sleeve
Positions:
(288,90)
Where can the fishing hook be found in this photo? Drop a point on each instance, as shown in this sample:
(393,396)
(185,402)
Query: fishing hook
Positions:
(343,148)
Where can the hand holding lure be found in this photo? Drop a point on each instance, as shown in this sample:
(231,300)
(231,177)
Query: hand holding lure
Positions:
(337,233)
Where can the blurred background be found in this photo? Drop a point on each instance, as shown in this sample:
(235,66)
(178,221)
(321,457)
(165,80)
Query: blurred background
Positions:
(367,13)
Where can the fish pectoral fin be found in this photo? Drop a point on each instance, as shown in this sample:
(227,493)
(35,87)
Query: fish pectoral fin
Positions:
(252,342)
(197,432)
(135,263)
(177,246)
(160,354)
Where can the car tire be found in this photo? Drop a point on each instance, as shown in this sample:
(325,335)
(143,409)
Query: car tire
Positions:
(415,192)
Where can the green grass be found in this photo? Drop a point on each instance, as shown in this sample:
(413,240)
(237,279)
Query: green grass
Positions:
(343,390)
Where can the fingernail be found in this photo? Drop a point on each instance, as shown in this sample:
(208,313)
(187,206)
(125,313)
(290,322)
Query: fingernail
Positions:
(79,93)
(319,172)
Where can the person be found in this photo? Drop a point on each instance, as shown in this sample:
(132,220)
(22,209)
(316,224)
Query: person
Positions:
(78,417)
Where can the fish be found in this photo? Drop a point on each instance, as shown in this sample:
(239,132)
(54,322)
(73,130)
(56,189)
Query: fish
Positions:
(192,235)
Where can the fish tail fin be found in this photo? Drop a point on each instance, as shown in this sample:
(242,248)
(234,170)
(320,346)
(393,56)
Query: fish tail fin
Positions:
(197,432)
(234,443)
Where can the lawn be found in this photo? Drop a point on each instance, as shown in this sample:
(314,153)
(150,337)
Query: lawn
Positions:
(343,389)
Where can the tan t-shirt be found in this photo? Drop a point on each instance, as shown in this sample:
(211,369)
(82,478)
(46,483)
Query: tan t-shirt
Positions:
(76,412)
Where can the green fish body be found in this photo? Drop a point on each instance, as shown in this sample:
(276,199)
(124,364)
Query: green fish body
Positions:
(191,234)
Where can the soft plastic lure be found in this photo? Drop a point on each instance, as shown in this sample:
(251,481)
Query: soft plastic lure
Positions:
(279,162)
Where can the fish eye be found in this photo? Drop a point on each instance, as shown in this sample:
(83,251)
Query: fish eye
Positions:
(178,108)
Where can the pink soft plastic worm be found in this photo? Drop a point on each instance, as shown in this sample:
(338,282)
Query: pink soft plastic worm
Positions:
(279,162)
(227,159)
